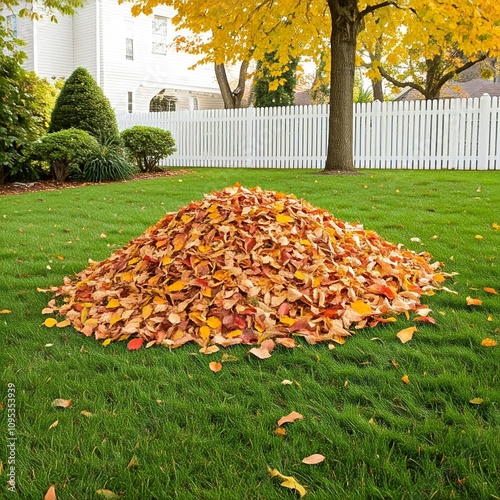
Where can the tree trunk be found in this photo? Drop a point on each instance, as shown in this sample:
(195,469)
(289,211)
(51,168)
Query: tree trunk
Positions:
(232,98)
(345,28)
(378,90)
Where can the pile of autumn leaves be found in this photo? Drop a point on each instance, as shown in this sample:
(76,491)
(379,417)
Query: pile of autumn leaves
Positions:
(245,266)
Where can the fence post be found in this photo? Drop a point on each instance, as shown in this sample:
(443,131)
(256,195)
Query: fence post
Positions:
(250,137)
(483,132)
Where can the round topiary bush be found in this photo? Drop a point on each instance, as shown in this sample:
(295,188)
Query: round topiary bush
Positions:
(66,151)
(82,104)
(148,145)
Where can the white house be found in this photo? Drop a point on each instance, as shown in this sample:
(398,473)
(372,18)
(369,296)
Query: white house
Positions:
(133,59)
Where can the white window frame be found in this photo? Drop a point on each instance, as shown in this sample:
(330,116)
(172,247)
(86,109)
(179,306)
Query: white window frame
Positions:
(159,35)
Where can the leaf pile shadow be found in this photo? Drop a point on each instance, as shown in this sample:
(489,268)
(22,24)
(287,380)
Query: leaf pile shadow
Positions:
(242,266)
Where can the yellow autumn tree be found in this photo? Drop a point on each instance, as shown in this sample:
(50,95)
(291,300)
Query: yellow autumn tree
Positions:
(425,46)
(225,31)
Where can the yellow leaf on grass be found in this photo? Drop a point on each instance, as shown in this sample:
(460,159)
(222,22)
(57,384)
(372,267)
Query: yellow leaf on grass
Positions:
(361,307)
(283,218)
(107,342)
(50,322)
(53,424)
(405,379)
(476,401)
(6,311)
(489,342)
(495,226)
(107,494)
(473,302)
(214,322)
(289,482)
(86,413)
(113,304)
(406,334)
(478,237)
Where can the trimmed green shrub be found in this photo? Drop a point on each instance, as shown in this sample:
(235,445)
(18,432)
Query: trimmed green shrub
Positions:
(66,151)
(108,163)
(148,145)
(82,104)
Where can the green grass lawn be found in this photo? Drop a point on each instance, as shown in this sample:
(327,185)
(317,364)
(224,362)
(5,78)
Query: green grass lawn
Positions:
(161,425)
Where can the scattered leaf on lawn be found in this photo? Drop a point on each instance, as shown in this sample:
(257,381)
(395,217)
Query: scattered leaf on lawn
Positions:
(289,482)
(61,403)
(50,322)
(286,382)
(5,311)
(215,366)
(51,493)
(476,401)
(260,352)
(133,464)
(280,431)
(228,357)
(478,237)
(425,319)
(291,417)
(135,344)
(107,494)
(490,290)
(86,413)
(314,459)
(473,302)
(54,424)
(406,334)
(495,226)
(487,342)
(405,379)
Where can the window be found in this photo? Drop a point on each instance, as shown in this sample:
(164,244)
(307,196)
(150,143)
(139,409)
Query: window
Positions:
(130,100)
(162,102)
(160,35)
(129,40)
(195,103)
(12,24)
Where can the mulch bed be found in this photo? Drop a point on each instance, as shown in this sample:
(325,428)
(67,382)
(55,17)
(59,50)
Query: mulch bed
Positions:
(49,185)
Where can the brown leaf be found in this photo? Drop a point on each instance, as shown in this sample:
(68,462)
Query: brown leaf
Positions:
(215,366)
(61,403)
(314,459)
(291,417)
(51,493)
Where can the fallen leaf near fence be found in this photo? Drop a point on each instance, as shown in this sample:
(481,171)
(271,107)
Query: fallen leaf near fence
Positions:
(243,266)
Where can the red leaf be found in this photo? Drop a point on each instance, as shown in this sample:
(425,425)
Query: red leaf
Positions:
(135,344)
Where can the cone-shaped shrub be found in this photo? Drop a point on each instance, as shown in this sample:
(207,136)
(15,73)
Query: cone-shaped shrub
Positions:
(82,105)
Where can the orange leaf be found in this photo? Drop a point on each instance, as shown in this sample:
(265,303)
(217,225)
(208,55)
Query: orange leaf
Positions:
(406,334)
(50,322)
(405,379)
(425,319)
(215,366)
(287,342)
(490,290)
(61,403)
(489,342)
(473,302)
(280,431)
(135,344)
(260,352)
(51,493)
(291,417)
(317,458)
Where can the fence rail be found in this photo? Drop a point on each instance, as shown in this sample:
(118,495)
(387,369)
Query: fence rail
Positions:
(462,134)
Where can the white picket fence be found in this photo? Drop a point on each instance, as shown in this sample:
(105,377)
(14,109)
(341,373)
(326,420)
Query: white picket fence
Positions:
(462,134)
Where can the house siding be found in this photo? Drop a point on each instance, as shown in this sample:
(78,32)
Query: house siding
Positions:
(95,39)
